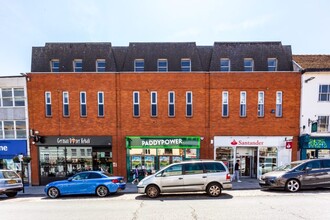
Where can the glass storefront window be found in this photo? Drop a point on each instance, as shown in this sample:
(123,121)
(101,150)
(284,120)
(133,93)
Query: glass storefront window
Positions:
(267,159)
(226,155)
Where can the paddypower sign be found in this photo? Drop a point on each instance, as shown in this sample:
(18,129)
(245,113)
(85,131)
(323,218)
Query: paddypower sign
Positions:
(163,142)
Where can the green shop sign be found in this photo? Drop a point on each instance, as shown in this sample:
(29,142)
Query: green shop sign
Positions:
(317,143)
(192,142)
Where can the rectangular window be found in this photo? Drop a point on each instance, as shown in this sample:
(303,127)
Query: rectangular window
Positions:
(242,111)
(66,112)
(186,65)
(162,65)
(7,97)
(89,152)
(20,129)
(55,65)
(248,64)
(153,97)
(136,104)
(261,104)
(19,99)
(189,104)
(73,152)
(139,65)
(171,104)
(324,93)
(77,65)
(224,65)
(9,129)
(82,152)
(1,130)
(278,112)
(48,103)
(83,104)
(100,65)
(225,107)
(272,64)
(323,124)
(100,104)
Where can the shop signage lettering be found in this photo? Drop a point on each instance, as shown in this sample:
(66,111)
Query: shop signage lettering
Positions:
(3,148)
(247,143)
(73,140)
(317,143)
(161,142)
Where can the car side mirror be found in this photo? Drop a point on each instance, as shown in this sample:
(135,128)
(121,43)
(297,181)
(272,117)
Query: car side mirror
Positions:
(70,179)
(307,169)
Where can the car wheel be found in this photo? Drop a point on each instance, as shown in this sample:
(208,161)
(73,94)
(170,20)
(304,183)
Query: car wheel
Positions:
(11,194)
(292,185)
(53,192)
(152,191)
(214,190)
(102,191)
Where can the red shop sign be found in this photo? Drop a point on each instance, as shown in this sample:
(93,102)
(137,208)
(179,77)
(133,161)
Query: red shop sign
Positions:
(288,145)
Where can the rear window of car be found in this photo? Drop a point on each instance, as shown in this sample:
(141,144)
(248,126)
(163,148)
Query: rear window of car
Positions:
(214,167)
(8,175)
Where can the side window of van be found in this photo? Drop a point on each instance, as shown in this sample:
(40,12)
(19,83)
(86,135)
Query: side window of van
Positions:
(193,168)
(174,170)
(326,163)
(214,167)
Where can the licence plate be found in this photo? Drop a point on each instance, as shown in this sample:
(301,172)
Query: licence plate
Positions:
(11,181)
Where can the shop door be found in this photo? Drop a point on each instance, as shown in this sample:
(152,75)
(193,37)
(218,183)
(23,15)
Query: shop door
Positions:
(102,160)
(248,162)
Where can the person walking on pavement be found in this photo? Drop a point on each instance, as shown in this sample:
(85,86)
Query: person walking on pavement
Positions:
(136,175)
(237,171)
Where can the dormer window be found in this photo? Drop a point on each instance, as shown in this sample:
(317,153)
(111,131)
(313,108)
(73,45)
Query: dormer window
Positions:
(162,65)
(248,65)
(77,65)
(224,65)
(139,65)
(272,64)
(100,65)
(55,65)
(185,65)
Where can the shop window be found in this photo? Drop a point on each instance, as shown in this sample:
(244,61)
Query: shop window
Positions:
(226,155)
(168,151)
(267,159)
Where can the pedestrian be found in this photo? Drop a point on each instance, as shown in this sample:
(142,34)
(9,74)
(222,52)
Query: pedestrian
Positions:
(237,171)
(136,175)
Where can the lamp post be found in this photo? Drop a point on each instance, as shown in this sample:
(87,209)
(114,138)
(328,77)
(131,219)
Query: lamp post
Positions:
(20,157)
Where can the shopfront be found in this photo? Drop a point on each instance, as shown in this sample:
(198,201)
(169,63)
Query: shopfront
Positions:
(153,153)
(10,149)
(257,154)
(314,147)
(62,156)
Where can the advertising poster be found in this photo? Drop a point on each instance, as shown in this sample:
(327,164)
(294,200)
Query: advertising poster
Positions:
(149,162)
(136,160)
(164,161)
(176,159)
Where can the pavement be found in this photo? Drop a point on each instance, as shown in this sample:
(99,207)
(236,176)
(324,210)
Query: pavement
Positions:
(246,184)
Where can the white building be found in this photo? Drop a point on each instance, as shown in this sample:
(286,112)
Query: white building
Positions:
(315,105)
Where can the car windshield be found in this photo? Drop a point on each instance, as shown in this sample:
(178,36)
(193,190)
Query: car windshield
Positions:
(9,175)
(289,166)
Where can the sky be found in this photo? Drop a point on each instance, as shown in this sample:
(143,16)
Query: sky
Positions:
(303,24)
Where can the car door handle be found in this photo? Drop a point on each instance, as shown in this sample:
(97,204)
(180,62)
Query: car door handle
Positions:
(180,178)
(204,176)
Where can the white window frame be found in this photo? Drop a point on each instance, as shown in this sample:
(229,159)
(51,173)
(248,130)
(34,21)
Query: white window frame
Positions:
(162,68)
(98,68)
(225,103)
(183,67)
(326,94)
(272,68)
(54,69)
(242,109)
(261,104)
(100,104)
(189,103)
(66,104)
(13,99)
(323,127)
(83,103)
(225,68)
(171,104)
(75,68)
(138,68)
(279,104)
(249,68)
(48,102)
(153,104)
(136,103)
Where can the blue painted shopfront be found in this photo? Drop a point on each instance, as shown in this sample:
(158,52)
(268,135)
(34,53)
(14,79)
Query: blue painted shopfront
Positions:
(314,147)
(12,148)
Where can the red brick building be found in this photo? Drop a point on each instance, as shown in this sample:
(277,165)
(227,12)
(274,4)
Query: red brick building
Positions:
(95,106)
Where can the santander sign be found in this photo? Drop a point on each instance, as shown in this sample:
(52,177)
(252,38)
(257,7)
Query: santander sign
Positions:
(247,143)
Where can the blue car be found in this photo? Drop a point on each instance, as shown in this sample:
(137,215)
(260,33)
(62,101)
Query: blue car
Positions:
(88,182)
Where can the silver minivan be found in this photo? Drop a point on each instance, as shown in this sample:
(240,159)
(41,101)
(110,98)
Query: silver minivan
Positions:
(188,176)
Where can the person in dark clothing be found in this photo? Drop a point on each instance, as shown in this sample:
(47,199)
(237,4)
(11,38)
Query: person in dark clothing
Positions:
(136,175)
(237,171)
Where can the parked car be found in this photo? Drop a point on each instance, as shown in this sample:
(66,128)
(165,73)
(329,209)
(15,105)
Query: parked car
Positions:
(10,183)
(187,176)
(88,182)
(310,173)
(267,167)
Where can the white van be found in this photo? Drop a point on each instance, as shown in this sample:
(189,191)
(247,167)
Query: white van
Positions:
(188,176)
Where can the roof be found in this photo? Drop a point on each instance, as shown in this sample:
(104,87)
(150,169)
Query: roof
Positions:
(313,62)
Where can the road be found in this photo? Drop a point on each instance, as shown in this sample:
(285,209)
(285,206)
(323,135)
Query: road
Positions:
(236,204)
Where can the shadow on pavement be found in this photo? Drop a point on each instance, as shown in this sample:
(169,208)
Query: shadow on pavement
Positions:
(184,196)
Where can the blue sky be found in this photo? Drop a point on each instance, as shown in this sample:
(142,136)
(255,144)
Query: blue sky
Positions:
(303,24)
